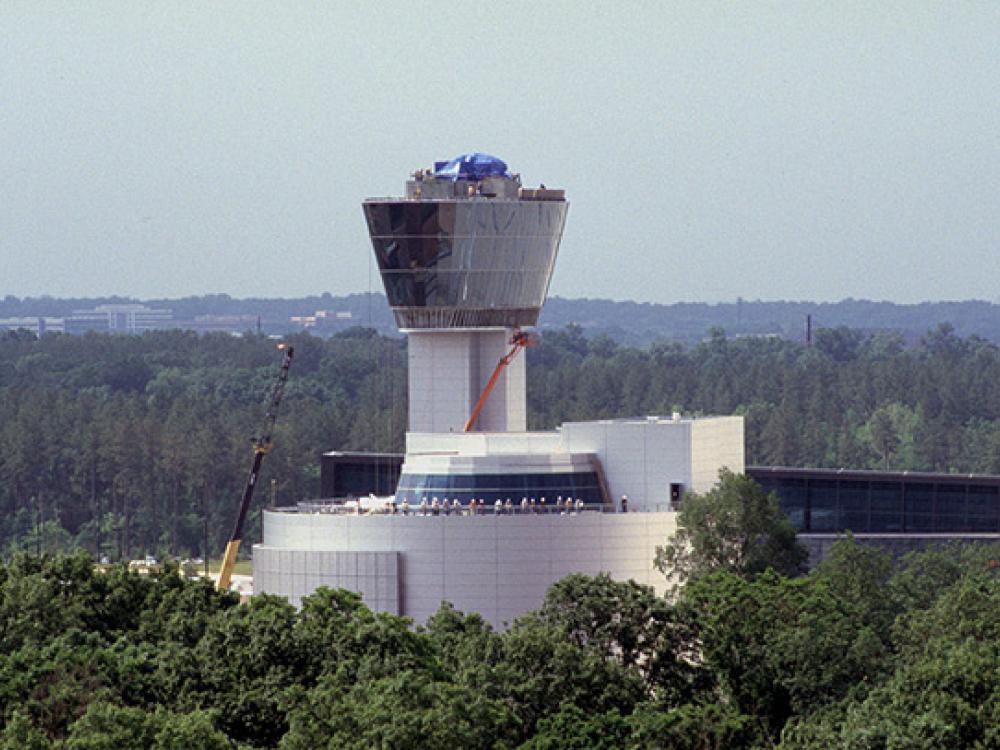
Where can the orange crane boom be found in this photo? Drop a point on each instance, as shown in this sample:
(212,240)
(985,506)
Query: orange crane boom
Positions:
(518,341)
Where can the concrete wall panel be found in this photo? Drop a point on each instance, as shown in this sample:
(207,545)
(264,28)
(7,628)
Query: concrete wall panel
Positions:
(498,566)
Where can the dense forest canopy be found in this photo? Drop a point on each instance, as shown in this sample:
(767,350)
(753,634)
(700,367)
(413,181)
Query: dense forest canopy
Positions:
(151,434)
(130,445)
(857,654)
(142,443)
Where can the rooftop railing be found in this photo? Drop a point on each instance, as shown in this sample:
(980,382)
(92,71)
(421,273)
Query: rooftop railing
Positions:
(388,507)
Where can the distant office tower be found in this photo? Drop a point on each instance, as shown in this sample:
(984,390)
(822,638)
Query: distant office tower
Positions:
(129,318)
(466,258)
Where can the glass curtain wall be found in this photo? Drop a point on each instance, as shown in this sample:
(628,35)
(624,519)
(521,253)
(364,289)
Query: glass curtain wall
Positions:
(492,257)
(883,505)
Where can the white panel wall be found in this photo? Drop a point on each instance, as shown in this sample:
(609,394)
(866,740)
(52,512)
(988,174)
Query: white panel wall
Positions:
(499,566)
(716,443)
(514,384)
(483,443)
(668,460)
(297,573)
(506,409)
(439,381)
(447,373)
(498,463)
(640,458)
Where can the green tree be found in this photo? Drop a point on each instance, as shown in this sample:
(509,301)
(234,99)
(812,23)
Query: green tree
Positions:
(779,647)
(336,634)
(242,666)
(465,644)
(861,575)
(922,576)
(21,734)
(406,710)
(734,527)
(629,624)
(109,727)
(693,726)
(573,729)
(841,343)
(883,434)
(943,692)
(539,668)
(193,731)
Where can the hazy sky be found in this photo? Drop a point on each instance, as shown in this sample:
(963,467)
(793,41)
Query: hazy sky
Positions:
(765,150)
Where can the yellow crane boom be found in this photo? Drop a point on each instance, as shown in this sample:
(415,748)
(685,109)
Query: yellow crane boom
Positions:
(261,447)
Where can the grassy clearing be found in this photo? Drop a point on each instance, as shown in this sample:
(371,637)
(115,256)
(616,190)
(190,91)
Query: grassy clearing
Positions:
(242,568)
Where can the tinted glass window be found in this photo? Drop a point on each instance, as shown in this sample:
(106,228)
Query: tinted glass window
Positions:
(793,500)
(823,505)
(886,507)
(950,513)
(948,505)
(469,255)
(854,506)
(768,484)
(919,500)
(983,513)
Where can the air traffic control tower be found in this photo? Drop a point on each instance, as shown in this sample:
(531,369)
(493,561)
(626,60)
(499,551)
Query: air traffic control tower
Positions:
(466,257)
(487,515)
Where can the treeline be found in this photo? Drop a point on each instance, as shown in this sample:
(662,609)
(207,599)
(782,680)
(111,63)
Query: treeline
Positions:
(369,310)
(851,400)
(856,655)
(632,323)
(140,445)
(640,323)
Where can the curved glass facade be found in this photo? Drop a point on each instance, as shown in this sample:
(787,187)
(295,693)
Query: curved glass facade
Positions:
(492,487)
(465,262)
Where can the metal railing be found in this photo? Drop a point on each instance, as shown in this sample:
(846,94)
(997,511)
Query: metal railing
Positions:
(388,507)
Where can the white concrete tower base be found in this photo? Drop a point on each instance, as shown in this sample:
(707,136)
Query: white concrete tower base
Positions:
(448,370)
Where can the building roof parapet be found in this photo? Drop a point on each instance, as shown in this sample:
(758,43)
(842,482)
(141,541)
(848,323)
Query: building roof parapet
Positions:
(471,176)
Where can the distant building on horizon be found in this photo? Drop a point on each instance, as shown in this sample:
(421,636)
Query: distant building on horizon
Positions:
(127,318)
(231,324)
(36,325)
(324,320)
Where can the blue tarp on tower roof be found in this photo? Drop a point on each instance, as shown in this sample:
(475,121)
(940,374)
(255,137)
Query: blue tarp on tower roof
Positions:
(474,166)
